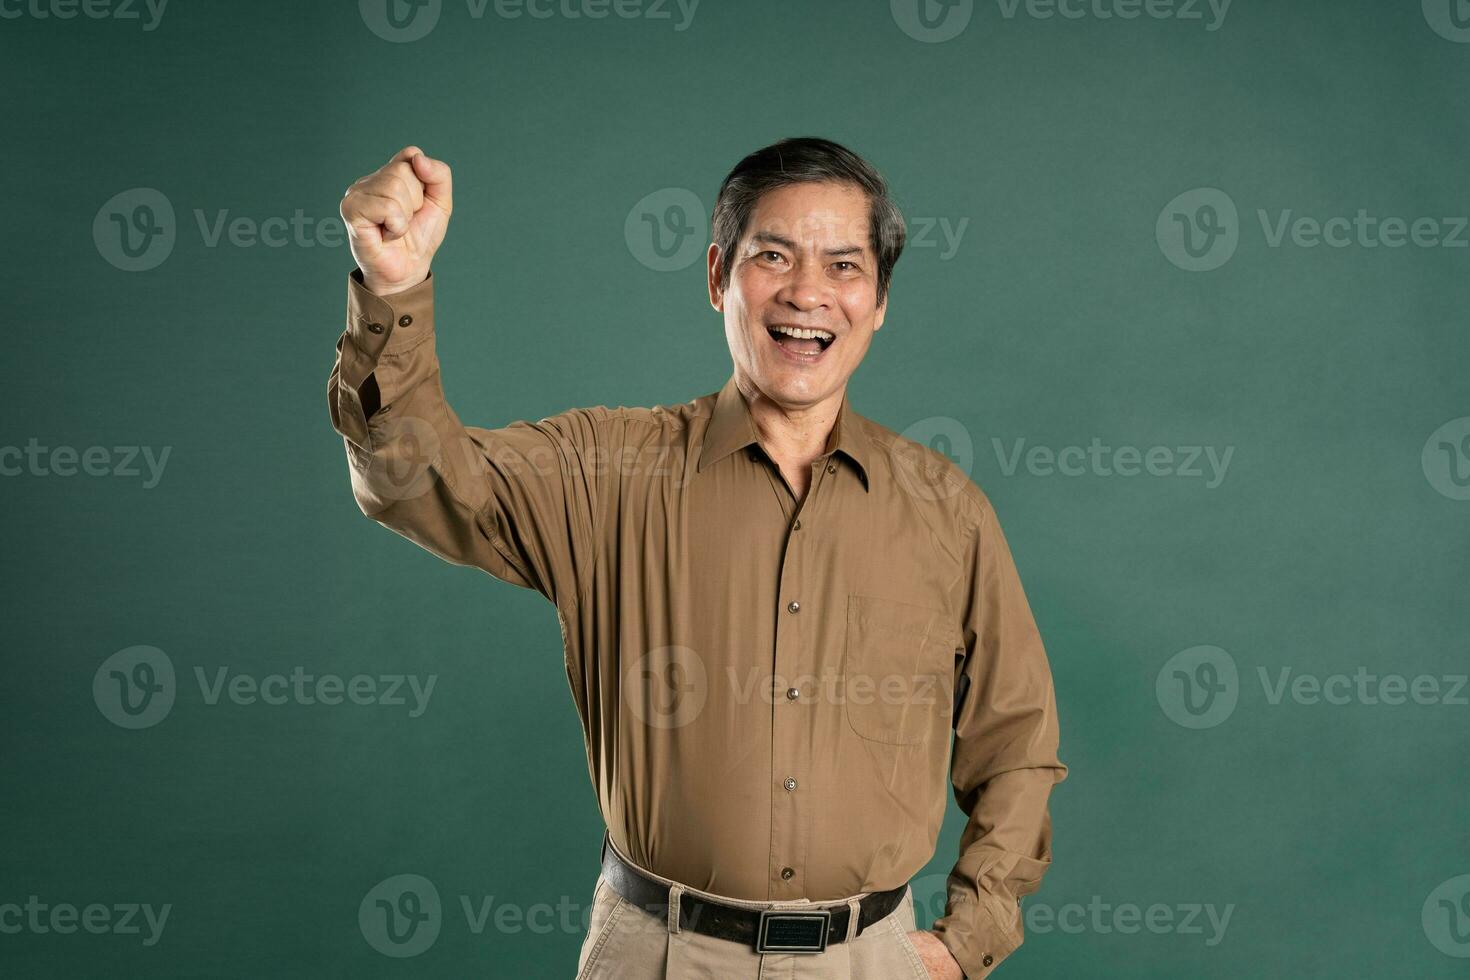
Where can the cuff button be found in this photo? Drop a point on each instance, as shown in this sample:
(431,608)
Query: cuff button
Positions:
(405,320)
(375,327)
(987,960)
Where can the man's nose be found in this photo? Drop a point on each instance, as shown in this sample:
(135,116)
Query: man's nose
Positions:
(806,289)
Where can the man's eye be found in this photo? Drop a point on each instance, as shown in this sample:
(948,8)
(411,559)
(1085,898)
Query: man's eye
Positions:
(839,266)
(774,256)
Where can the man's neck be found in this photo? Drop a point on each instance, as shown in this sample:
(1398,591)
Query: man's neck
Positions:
(793,437)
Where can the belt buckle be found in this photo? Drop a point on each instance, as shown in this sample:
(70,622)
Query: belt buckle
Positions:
(790,931)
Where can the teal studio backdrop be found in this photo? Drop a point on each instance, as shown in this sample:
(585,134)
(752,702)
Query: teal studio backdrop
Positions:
(1186,293)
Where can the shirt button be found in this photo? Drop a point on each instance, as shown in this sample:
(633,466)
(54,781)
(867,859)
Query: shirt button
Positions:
(794,606)
(792,694)
(787,873)
(790,783)
(796,526)
(987,960)
(405,320)
(375,327)
(831,467)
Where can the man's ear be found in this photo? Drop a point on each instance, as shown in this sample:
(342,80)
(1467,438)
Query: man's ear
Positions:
(881,312)
(716,287)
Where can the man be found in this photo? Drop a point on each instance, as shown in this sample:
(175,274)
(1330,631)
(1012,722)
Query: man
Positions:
(773,610)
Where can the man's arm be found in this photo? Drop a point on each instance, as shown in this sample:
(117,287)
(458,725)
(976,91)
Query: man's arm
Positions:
(520,502)
(1005,759)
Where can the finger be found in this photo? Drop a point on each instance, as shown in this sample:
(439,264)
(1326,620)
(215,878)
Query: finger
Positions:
(401,175)
(402,187)
(364,208)
(437,180)
(405,154)
(360,229)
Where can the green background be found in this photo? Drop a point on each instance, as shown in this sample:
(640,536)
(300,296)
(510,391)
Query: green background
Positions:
(1059,318)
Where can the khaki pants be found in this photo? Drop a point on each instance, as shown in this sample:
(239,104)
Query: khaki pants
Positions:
(625,942)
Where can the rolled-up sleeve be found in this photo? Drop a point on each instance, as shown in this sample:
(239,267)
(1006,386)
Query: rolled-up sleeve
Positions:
(520,502)
(1005,760)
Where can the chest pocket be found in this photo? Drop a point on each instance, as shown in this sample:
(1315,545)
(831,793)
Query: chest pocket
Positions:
(898,670)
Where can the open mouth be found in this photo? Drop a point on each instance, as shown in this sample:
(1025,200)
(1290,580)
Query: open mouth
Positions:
(801,341)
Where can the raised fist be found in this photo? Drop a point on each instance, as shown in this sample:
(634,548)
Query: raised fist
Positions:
(396,217)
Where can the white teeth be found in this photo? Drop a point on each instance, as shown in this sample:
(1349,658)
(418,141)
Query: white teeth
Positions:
(801,333)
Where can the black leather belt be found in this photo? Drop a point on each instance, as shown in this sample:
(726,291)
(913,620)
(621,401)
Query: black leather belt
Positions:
(765,930)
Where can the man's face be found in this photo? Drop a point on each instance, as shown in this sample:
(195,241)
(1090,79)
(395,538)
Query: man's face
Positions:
(804,262)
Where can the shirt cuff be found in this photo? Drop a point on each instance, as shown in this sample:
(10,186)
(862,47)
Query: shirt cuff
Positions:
(380,327)
(974,938)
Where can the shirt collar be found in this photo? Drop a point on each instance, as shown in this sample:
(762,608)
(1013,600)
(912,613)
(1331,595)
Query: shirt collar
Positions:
(731,428)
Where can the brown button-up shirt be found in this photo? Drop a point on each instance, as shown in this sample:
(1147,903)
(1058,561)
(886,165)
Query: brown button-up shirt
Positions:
(767,683)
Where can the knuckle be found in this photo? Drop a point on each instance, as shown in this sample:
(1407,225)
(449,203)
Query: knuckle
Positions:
(400,188)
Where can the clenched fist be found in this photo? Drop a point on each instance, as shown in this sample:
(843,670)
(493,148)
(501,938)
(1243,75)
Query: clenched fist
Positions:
(396,217)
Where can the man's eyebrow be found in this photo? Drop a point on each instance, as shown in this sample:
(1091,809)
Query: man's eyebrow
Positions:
(772,238)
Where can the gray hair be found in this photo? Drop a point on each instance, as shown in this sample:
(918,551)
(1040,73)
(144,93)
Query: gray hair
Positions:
(796,160)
